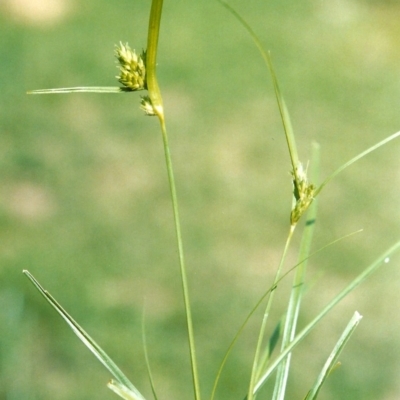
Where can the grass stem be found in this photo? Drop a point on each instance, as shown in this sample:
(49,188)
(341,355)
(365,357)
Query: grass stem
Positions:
(157,103)
(258,352)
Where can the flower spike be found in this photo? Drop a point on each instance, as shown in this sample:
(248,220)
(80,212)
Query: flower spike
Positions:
(303,193)
(147,106)
(132,67)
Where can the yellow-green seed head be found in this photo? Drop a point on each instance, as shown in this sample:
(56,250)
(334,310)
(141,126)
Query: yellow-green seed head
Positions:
(132,67)
(147,106)
(302,204)
(303,194)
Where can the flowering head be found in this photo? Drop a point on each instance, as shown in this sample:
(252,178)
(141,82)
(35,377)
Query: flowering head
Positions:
(147,106)
(132,68)
(303,194)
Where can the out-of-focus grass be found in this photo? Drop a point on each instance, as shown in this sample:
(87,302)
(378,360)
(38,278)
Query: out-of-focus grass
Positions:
(84,201)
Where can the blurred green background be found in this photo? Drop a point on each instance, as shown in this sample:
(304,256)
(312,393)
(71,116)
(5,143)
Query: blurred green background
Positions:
(85,207)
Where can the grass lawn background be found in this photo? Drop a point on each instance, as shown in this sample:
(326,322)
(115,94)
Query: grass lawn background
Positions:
(85,207)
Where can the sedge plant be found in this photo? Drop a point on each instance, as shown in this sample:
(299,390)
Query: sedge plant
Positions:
(137,72)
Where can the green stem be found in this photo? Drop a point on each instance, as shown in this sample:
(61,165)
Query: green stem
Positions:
(255,367)
(185,286)
(156,99)
(296,294)
(383,259)
(151,58)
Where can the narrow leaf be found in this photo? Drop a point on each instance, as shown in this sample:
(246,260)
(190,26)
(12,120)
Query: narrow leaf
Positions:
(83,89)
(86,339)
(287,125)
(273,341)
(310,221)
(356,158)
(356,282)
(333,357)
(122,391)
(146,356)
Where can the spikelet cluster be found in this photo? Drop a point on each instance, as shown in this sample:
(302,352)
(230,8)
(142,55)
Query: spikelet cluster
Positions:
(303,194)
(147,106)
(132,67)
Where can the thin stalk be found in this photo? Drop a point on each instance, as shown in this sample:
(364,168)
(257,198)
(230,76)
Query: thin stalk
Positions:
(254,370)
(297,289)
(384,258)
(262,298)
(185,286)
(157,103)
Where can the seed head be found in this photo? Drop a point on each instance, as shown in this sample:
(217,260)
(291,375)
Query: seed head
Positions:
(132,67)
(147,106)
(303,194)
